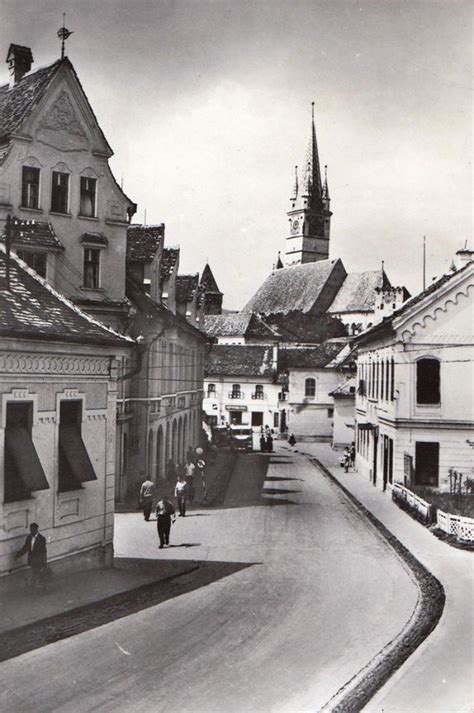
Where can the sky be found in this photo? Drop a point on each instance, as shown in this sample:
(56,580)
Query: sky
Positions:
(207,106)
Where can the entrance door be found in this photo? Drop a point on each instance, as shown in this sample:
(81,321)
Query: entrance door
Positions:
(282,421)
(426,463)
(235,417)
(257,418)
(375,455)
(385,461)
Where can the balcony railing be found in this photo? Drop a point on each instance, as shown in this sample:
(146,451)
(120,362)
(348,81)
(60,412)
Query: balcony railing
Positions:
(236,395)
(258,395)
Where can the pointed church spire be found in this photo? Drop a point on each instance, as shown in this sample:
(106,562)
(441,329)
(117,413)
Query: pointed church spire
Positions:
(312,188)
(326,196)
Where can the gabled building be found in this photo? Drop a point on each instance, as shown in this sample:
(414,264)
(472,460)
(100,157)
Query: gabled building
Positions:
(190,299)
(58,387)
(54,171)
(414,402)
(169,273)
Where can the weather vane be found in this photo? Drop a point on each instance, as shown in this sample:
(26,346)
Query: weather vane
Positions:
(63,34)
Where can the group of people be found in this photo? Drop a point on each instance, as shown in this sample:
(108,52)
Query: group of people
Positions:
(184,492)
(266,440)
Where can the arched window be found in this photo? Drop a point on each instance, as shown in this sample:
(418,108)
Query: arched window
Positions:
(428,381)
(310,387)
(211,391)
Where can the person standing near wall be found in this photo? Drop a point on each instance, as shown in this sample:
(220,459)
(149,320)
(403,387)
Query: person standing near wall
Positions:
(147,493)
(180,493)
(35,549)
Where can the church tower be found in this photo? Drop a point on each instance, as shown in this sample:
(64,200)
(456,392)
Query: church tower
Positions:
(309,216)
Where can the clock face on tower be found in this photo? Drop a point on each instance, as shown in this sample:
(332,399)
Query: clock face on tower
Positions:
(295,226)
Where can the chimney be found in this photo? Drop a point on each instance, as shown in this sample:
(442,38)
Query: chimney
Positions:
(19,60)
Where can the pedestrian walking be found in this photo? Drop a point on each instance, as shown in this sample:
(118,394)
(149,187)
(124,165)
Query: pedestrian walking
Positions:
(353,455)
(263,444)
(269,443)
(165,515)
(346,459)
(201,465)
(146,496)
(189,469)
(180,493)
(292,441)
(35,549)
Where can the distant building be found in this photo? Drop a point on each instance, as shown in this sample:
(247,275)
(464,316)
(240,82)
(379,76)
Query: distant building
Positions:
(212,294)
(414,402)
(58,387)
(241,386)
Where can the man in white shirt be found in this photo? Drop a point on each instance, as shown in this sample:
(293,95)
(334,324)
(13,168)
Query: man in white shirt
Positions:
(147,494)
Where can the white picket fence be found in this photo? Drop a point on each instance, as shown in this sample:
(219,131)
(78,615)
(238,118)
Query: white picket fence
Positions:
(460,527)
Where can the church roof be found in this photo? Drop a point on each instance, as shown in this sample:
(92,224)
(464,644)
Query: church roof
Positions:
(33,234)
(32,309)
(239,360)
(17,101)
(358,292)
(297,287)
(143,241)
(186,287)
(169,260)
(208,281)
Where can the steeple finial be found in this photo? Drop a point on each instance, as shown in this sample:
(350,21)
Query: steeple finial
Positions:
(63,34)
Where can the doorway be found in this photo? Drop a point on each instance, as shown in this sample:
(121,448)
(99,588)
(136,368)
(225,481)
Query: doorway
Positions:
(426,463)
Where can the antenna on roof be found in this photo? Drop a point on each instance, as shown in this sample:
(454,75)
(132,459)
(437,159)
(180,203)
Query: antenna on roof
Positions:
(63,34)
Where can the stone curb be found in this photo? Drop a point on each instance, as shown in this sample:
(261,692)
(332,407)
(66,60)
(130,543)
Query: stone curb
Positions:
(359,690)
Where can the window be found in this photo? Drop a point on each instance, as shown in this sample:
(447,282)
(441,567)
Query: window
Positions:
(30,187)
(310,387)
(88,197)
(427,381)
(236,393)
(91,267)
(392,379)
(330,412)
(37,261)
(74,464)
(211,391)
(23,470)
(276,419)
(59,192)
(258,392)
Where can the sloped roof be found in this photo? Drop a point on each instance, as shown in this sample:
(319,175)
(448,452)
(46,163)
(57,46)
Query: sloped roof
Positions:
(186,287)
(17,101)
(296,287)
(386,325)
(208,281)
(33,234)
(143,241)
(169,260)
(32,309)
(239,324)
(345,390)
(358,291)
(311,357)
(239,360)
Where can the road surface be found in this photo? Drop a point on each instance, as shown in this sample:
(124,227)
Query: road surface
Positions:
(315,593)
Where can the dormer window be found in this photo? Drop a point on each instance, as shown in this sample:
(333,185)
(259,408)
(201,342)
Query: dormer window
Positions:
(88,197)
(35,260)
(30,187)
(59,192)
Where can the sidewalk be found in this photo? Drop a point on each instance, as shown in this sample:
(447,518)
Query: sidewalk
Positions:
(437,678)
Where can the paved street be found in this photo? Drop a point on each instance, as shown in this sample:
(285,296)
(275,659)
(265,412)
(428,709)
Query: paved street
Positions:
(315,594)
